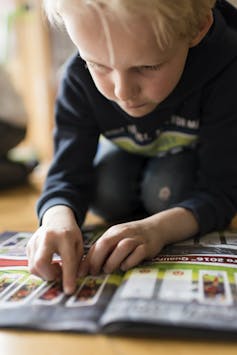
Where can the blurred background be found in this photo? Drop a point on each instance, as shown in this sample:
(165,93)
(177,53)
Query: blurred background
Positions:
(31,56)
(31,59)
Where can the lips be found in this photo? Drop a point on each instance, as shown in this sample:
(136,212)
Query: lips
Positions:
(129,107)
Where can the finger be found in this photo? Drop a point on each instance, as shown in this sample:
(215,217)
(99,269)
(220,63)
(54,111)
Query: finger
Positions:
(41,264)
(28,250)
(119,254)
(139,254)
(31,250)
(31,246)
(98,254)
(105,246)
(71,257)
(83,267)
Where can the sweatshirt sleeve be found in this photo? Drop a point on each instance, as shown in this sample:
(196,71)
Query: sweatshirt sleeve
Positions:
(214,202)
(70,178)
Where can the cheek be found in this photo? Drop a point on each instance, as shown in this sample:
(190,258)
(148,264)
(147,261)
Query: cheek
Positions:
(158,89)
(103,84)
(164,84)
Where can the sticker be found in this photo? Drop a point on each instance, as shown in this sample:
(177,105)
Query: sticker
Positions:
(140,284)
(15,246)
(176,285)
(210,239)
(25,291)
(214,288)
(89,291)
(51,295)
(7,281)
(235,275)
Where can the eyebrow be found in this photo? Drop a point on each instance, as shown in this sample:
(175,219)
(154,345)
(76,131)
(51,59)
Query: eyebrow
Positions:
(134,66)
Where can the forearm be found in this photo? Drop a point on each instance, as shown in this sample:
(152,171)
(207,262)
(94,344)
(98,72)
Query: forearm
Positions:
(174,224)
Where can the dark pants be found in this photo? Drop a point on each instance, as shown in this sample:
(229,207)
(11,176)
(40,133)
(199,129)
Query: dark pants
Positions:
(131,186)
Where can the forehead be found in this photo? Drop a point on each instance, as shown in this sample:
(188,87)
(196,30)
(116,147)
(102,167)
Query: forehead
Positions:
(103,37)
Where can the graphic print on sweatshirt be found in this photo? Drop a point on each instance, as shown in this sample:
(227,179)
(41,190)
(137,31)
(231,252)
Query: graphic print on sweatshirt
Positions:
(173,136)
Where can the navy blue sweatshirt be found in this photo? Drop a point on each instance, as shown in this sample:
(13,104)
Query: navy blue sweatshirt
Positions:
(200,114)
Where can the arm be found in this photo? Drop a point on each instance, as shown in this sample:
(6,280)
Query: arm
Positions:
(70,177)
(214,201)
(64,201)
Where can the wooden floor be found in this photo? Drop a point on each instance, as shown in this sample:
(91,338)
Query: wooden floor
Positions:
(17,208)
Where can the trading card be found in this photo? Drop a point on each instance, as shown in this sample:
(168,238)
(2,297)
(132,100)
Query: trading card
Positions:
(25,291)
(89,291)
(214,288)
(235,275)
(51,294)
(176,285)
(230,238)
(15,245)
(140,284)
(210,239)
(7,281)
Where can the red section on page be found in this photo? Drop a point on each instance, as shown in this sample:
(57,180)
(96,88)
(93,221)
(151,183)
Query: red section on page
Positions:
(13,262)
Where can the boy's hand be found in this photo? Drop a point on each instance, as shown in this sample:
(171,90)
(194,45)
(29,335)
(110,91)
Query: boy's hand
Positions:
(122,247)
(125,245)
(59,234)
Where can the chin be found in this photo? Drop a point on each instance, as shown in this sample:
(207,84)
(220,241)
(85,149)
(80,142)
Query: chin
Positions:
(139,112)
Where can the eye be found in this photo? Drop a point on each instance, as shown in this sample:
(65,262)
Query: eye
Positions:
(150,67)
(91,65)
(97,67)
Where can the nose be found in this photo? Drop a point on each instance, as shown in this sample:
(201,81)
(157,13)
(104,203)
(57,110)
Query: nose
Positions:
(125,86)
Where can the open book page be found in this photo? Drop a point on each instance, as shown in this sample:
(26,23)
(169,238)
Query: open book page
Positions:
(26,301)
(13,245)
(192,284)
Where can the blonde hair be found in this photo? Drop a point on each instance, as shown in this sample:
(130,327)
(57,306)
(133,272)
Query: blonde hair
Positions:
(170,19)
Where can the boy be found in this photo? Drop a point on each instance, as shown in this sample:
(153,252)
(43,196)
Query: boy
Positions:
(150,78)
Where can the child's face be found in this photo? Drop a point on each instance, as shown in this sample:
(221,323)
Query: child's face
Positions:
(138,75)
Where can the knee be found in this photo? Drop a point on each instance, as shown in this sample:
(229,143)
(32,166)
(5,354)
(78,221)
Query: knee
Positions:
(116,195)
(167,181)
(109,197)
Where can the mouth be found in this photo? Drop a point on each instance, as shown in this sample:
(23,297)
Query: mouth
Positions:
(129,107)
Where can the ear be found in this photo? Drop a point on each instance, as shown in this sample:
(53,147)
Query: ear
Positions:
(203,30)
